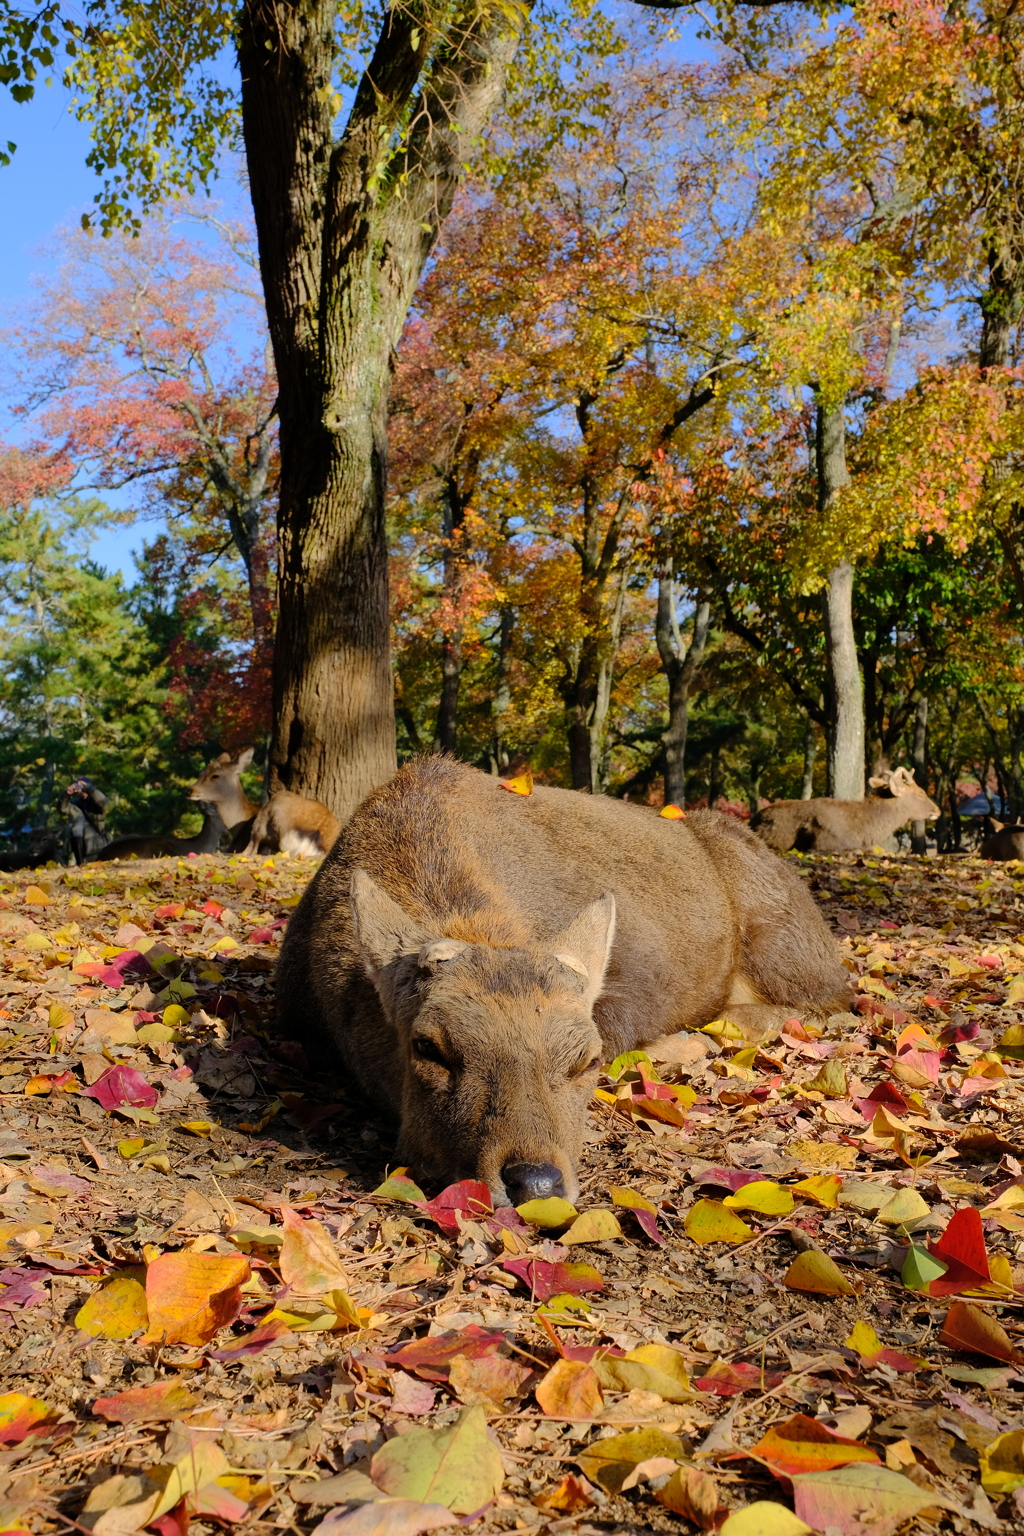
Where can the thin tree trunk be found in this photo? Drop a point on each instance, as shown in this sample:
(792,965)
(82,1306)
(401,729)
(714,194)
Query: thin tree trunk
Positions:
(919,829)
(846,737)
(453,512)
(715,777)
(680,664)
(344,230)
(503,690)
(810,753)
(603,698)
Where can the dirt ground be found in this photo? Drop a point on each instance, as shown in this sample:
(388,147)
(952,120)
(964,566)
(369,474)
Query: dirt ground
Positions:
(165,1160)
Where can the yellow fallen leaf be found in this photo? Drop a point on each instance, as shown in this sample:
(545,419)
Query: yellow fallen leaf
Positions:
(649,1368)
(197,1127)
(905,1205)
(823,1154)
(823,1188)
(764,1518)
(115,1310)
(131,1147)
(764,1196)
(830,1080)
(816,1272)
(35,896)
(553,1212)
(710,1221)
(1002,1463)
(225,945)
(520,784)
(592,1227)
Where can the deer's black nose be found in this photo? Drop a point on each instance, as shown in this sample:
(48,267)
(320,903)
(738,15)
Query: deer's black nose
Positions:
(531,1181)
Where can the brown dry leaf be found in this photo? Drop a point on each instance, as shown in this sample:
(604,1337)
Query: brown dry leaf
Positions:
(491,1380)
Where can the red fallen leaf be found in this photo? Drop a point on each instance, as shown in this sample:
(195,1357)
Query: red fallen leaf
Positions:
(251,1343)
(122,1085)
(469,1197)
(95,970)
(956,1034)
(506,1218)
(260,936)
(658,1109)
(962,1249)
(212,908)
(925,1062)
(732,1179)
(801,1444)
(885,1094)
(726,1378)
(147,1405)
(970,1328)
(589,1352)
(170,909)
(431,1359)
(21,1416)
(546,1280)
(176,1523)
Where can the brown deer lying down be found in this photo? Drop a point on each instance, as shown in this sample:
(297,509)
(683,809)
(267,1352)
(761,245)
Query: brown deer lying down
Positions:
(835,826)
(472,956)
(206,840)
(286,824)
(1003,842)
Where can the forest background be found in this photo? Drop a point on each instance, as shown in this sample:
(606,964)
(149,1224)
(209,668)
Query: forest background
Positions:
(704,437)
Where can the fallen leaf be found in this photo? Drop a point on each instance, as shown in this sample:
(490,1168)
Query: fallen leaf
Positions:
(21,1416)
(824,1189)
(672,813)
(1002,1463)
(710,1221)
(520,784)
(906,1205)
(431,1358)
(571,1494)
(468,1198)
(399,1187)
(122,1086)
(191,1296)
(490,1379)
(764,1518)
(872,1351)
(554,1279)
(553,1212)
(962,1250)
(852,1500)
(309,1263)
(920,1269)
(253,1343)
(609,1462)
(35,896)
(968,1327)
(802,1444)
(592,1227)
(570,1390)
(691,1492)
(387,1517)
(116,1310)
(641,1208)
(459,1467)
(649,1368)
(815,1272)
(763,1196)
(166,1399)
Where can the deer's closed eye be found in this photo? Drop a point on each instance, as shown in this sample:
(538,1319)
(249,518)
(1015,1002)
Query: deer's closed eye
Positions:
(428,1050)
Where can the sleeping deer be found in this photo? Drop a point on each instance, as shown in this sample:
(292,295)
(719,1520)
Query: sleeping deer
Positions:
(286,824)
(838,826)
(469,957)
(1003,843)
(206,840)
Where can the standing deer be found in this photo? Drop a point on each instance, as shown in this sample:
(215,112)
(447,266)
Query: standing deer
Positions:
(470,956)
(1003,843)
(206,840)
(840,826)
(287,823)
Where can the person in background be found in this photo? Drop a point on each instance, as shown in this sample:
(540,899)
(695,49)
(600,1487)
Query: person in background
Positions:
(87,808)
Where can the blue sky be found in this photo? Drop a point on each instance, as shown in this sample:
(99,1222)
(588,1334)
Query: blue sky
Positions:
(47,185)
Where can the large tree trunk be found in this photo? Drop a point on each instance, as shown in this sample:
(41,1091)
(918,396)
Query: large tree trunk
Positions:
(680,664)
(344,230)
(846,736)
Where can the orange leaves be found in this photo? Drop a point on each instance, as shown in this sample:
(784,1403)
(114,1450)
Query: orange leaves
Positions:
(21,1416)
(191,1296)
(521,784)
(801,1444)
(672,813)
(148,1405)
(968,1327)
(570,1390)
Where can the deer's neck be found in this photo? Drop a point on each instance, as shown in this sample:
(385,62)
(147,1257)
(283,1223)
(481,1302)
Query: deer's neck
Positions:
(236,806)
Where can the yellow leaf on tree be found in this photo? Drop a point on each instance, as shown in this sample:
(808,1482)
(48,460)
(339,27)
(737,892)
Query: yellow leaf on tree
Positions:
(592,1227)
(816,1272)
(763,1196)
(823,1188)
(711,1221)
(115,1311)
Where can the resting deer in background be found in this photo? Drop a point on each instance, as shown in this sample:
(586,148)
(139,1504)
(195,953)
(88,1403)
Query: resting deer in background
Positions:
(841,826)
(470,957)
(286,824)
(206,840)
(1003,843)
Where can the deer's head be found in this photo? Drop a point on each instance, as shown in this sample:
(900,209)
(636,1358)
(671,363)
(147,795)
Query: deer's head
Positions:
(899,784)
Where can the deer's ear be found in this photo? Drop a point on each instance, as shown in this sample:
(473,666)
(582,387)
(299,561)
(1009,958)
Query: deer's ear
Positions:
(383,930)
(224,759)
(243,759)
(877,783)
(586,944)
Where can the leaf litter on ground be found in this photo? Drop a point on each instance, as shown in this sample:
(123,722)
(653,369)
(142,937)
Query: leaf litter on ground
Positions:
(786,1299)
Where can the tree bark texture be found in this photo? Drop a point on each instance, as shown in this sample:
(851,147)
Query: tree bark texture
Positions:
(846,734)
(919,829)
(810,754)
(680,664)
(344,229)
